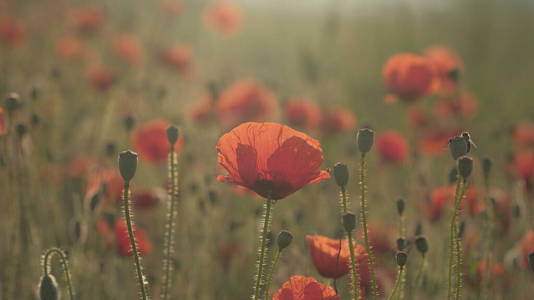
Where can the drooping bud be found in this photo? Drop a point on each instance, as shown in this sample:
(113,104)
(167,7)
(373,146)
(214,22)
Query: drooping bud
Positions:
(349,221)
(284,239)
(400,206)
(421,244)
(458,147)
(172,134)
(127,164)
(465,166)
(401,244)
(401,258)
(341,174)
(12,102)
(365,138)
(486,167)
(48,288)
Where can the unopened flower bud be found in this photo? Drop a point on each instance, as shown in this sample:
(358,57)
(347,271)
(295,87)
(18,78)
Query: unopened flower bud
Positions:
(284,239)
(127,164)
(400,206)
(341,174)
(421,244)
(418,228)
(12,102)
(349,221)
(21,129)
(172,134)
(458,147)
(401,258)
(365,138)
(401,244)
(465,166)
(111,149)
(517,210)
(48,288)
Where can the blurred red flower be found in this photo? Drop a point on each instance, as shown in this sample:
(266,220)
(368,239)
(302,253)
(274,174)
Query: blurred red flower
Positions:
(439,199)
(144,246)
(10,32)
(83,165)
(526,247)
(416,117)
(392,146)
(271,159)
(151,142)
(302,112)
(305,288)
(87,19)
(104,229)
(524,134)
(101,78)
(128,47)
(338,120)
(409,76)
(380,237)
(466,107)
(447,65)
(177,58)
(145,199)
(496,271)
(110,180)
(227,252)
(245,100)
(473,201)
(324,252)
(435,142)
(172,7)
(69,47)
(523,165)
(223,17)
(201,111)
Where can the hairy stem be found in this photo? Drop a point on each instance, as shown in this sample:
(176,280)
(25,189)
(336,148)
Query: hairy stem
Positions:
(452,237)
(397,283)
(459,248)
(261,259)
(355,284)
(270,277)
(64,263)
(169,241)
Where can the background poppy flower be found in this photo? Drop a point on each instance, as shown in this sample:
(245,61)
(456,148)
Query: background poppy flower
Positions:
(101,78)
(338,120)
(223,17)
(69,47)
(448,66)
(271,159)
(302,112)
(416,117)
(465,107)
(151,142)
(10,32)
(523,165)
(245,100)
(128,47)
(392,146)
(172,7)
(144,246)
(324,252)
(434,142)
(145,199)
(177,58)
(439,198)
(524,134)
(87,20)
(409,76)
(305,288)
(201,111)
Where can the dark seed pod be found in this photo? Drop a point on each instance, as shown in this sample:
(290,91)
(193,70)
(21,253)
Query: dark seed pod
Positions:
(453,175)
(12,102)
(418,228)
(486,167)
(111,149)
(349,221)
(365,139)
(129,122)
(400,206)
(21,130)
(172,134)
(421,244)
(48,288)
(401,244)
(127,164)
(465,166)
(458,147)
(341,174)
(401,258)
(284,239)
(517,210)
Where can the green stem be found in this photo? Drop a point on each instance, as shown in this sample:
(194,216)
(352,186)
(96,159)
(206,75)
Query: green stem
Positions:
(452,236)
(397,282)
(488,253)
(355,284)
(169,243)
(402,234)
(458,248)
(270,277)
(137,260)
(420,270)
(364,224)
(344,199)
(64,263)
(261,260)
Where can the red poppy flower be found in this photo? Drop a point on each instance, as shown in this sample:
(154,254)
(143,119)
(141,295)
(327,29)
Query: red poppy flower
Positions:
(223,17)
(110,179)
(523,165)
(324,252)
(473,201)
(87,20)
(2,121)
(409,76)
(177,58)
(227,252)
(392,146)
(245,100)
(446,64)
(69,47)
(466,107)
(82,165)
(172,7)
(416,117)
(101,78)
(128,47)
(10,32)
(271,159)
(145,199)
(524,134)
(144,246)
(496,271)
(434,143)
(151,142)
(380,237)
(439,199)
(106,232)
(305,288)
(526,247)
(201,111)
(301,112)
(338,120)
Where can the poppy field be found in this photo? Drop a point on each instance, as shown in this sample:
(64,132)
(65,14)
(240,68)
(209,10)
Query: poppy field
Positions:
(284,150)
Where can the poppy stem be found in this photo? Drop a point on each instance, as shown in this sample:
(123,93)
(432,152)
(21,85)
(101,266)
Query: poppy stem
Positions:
(489,242)
(64,264)
(453,234)
(402,234)
(270,277)
(140,276)
(363,212)
(459,247)
(420,270)
(261,260)
(397,282)
(169,241)
(355,284)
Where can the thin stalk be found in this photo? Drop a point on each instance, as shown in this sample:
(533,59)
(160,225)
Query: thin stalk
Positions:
(397,282)
(402,234)
(261,260)
(140,277)
(355,284)
(452,236)
(169,241)
(270,277)
(363,212)
(488,253)
(459,249)
(64,263)
(420,270)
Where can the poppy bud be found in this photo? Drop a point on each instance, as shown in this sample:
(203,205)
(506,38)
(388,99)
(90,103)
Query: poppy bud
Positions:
(486,167)
(461,229)
(12,102)
(48,288)
(365,138)
(21,129)
(453,175)
(531,261)
(172,134)
(129,122)
(421,244)
(341,174)
(465,166)
(458,147)
(517,210)
(401,244)
(401,258)
(284,239)
(418,228)
(400,206)
(111,149)
(127,164)
(349,221)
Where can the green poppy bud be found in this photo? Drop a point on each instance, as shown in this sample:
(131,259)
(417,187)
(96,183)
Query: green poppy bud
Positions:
(365,138)
(172,134)
(349,221)
(400,206)
(284,239)
(421,244)
(127,164)
(401,258)
(458,147)
(341,174)
(465,166)
(48,288)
